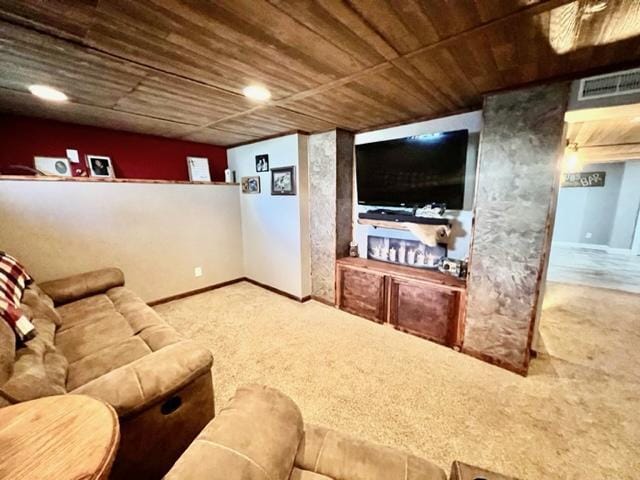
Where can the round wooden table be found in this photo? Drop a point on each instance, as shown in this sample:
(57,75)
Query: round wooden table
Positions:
(60,437)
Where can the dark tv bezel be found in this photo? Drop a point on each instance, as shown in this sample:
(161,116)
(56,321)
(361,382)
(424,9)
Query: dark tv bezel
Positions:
(383,203)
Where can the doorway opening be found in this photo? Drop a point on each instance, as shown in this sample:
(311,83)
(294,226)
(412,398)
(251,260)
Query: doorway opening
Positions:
(589,314)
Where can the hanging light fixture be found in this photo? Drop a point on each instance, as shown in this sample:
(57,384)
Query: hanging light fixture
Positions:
(571,161)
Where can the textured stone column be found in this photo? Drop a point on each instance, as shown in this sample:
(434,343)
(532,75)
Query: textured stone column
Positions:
(520,146)
(330,207)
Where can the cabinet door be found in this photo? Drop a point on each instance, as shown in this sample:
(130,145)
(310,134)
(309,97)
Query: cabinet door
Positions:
(423,309)
(361,292)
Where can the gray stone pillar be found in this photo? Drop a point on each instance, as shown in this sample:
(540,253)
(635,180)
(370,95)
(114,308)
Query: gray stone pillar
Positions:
(330,207)
(520,146)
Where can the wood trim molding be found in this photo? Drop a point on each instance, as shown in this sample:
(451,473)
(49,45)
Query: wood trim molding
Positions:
(194,292)
(277,290)
(208,288)
(43,178)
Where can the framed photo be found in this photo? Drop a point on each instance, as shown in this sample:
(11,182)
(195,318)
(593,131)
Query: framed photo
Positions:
(52,166)
(250,184)
(283,181)
(262,163)
(198,169)
(100,166)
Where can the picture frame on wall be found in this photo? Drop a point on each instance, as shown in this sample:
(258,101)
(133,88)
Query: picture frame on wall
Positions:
(100,166)
(283,181)
(262,163)
(250,184)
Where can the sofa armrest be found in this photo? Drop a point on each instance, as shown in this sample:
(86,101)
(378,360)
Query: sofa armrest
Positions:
(336,455)
(133,387)
(255,436)
(75,287)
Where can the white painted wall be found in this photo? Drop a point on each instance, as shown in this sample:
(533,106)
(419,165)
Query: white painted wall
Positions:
(275,229)
(608,213)
(461,219)
(628,207)
(156,233)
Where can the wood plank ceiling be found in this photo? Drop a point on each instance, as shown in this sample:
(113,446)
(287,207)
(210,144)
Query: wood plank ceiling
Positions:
(614,137)
(177,67)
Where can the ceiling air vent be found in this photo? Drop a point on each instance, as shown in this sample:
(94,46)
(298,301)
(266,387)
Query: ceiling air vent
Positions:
(610,85)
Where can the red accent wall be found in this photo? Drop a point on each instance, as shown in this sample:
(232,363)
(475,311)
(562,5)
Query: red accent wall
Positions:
(133,155)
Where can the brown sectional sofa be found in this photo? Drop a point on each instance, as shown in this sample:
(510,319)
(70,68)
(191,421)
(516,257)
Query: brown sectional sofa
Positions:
(260,435)
(96,337)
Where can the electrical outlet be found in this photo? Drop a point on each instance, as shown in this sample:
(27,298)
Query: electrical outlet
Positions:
(197,271)
(588,235)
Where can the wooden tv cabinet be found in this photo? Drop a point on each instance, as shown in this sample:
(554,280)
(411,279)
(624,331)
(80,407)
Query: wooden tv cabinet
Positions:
(421,302)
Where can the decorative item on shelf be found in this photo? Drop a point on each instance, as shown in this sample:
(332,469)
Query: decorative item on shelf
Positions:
(198,169)
(451,266)
(229,176)
(283,181)
(100,166)
(72,155)
(262,163)
(430,235)
(433,210)
(353,249)
(52,166)
(405,252)
(251,184)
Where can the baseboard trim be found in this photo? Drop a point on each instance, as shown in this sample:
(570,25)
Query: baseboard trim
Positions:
(194,292)
(277,290)
(594,246)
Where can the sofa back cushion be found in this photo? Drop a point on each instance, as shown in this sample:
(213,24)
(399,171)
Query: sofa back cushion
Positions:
(7,351)
(83,285)
(255,437)
(36,368)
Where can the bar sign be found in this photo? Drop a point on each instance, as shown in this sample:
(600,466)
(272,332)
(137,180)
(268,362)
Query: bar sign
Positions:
(583,179)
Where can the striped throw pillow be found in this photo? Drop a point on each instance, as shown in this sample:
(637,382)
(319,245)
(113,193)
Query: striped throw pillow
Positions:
(14,279)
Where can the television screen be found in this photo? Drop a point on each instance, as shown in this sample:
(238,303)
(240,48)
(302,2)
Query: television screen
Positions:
(413,171)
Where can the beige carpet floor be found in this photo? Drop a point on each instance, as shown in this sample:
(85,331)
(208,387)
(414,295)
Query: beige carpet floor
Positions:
(576,416)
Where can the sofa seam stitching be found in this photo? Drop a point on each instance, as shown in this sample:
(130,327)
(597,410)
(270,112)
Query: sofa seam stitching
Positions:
(242,455)
(315,466)
(406,467)
(135,374)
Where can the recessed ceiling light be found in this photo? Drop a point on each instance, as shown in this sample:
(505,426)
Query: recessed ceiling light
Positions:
(257,93)
(48,93)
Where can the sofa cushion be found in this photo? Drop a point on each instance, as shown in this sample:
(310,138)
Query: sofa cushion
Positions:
(91,336)
(38,371)
(76,287)
(103,361)
(7,351)
(342,457)
(134,386)
(85,310)
(255,437)
(37,304)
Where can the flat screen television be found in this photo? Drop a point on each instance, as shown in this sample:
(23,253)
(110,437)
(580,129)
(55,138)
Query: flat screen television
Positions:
(413,171)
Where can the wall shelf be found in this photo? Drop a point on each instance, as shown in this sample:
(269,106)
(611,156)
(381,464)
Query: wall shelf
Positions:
(42,178)
(387,223)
